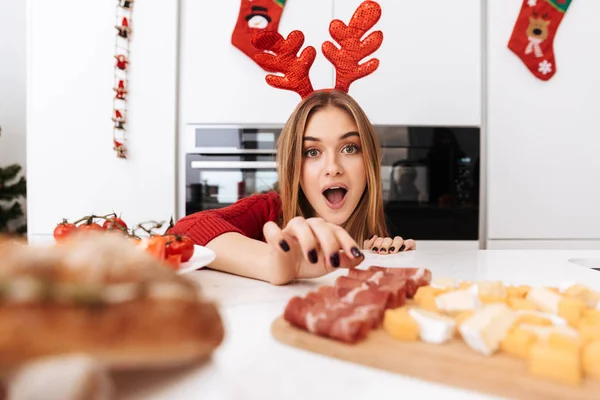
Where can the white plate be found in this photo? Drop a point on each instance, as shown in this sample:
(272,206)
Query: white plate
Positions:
(201,258)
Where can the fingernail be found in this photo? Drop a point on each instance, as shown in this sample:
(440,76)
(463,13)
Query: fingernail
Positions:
(382,250)
(335,260)
(374,249)
(392,249)
(312,256)
(284,245)
(356,252)
(402,248)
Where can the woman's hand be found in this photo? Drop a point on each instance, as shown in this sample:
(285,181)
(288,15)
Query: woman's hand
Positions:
(388,245)
(309,248)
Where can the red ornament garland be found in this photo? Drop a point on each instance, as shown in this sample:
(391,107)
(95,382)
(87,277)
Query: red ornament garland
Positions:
(121,82)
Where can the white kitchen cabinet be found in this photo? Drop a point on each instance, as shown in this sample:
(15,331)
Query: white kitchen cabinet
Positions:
(220,84)
(543,137)
(430,63)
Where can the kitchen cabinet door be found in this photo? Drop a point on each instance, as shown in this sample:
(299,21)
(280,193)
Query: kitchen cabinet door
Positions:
(543,165)
(430,63)
(220,84)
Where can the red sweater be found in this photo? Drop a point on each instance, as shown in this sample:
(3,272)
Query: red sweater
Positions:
(246,217)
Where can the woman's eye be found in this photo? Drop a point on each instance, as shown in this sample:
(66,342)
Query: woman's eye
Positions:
(350,149)
(311,153)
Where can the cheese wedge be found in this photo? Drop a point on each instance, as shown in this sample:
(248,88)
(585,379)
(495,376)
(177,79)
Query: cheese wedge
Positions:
(457,301)
(433,328)
(545,299)
(444,283)
(484,331)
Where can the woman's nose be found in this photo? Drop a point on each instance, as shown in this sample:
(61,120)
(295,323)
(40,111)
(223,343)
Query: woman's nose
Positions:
(333,167)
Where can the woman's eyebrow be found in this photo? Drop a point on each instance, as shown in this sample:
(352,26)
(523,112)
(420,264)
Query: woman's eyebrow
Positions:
(344,136)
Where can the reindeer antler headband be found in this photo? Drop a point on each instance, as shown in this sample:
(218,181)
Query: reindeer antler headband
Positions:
(280,54)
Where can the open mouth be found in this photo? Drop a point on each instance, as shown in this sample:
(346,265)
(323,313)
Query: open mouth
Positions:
(335,196)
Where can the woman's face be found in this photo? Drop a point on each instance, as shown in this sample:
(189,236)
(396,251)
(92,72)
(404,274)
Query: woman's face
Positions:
(333,176)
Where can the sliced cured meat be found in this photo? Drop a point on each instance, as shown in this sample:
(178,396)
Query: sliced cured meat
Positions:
(386,296)
(347,323)
(416,277)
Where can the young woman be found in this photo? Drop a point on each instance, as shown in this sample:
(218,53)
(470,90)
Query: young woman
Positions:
(329,200)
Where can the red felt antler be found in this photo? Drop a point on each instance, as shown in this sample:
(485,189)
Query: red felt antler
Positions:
(281,56)
(352,48)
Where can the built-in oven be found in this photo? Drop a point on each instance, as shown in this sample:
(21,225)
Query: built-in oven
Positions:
(430,175)
(224,163)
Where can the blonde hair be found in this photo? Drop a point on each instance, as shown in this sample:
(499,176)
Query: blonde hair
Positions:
(368,218)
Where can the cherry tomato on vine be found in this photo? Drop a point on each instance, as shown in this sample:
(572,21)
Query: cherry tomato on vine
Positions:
(90,227)
(180,245)
(63,230)
(115,223)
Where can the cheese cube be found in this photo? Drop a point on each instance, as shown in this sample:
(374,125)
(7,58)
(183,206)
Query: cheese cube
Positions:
(492,292)
(590,297)
(556,364)
(590,315)
(589,330)
(426,301)
(427,290)
(463,285)
(517,291)
(400,325)
(518,342)
(544,299)
(560,341)
(487,327)
(538,318)
(571,308)
(463,316)
(456,301)
(433,328)
(518,303)
(591,359)
(543,332)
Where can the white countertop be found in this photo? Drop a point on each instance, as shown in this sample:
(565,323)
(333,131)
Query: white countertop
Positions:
(250,364)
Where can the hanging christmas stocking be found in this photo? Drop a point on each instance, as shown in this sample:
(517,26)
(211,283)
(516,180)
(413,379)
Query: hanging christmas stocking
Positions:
(255,16)
(533,35)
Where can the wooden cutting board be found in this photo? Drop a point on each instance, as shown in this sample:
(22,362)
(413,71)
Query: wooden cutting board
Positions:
(452,363)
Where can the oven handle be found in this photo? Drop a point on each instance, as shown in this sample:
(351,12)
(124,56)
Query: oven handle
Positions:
(234,164)
(231,150)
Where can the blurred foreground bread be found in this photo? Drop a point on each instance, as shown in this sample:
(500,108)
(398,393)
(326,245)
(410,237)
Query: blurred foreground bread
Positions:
(70,377)
(102,295)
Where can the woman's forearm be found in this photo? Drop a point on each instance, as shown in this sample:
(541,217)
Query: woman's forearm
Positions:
(240,255)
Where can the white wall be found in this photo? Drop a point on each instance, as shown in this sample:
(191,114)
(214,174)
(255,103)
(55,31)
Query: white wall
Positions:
(12,84)
(544,137)
(72,168)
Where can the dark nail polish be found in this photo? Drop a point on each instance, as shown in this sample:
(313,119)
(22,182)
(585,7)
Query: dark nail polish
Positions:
(335,260)
(284,245)
(356,252)
(382,250)
(392,249)
(402,248)
(312,256)
(374,249)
